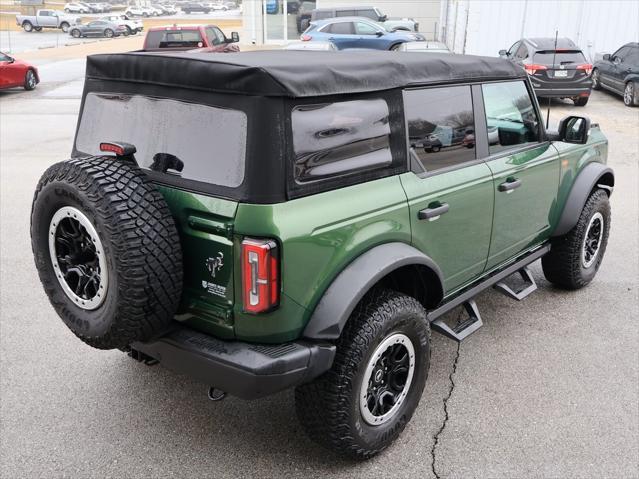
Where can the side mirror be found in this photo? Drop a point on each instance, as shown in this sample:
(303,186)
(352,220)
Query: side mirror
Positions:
(379,34)
(383,18)
(235,37)
(572,129)
(11,60)
(606,57)
(503,53)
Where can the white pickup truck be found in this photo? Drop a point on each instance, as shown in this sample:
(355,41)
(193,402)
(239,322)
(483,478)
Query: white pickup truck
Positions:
(46,19)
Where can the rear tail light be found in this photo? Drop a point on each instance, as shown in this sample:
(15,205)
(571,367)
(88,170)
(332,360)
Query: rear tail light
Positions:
(306,38)
(260,275)
(587,67)
(531,69)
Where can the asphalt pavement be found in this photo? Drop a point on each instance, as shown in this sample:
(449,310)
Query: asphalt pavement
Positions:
(549,387)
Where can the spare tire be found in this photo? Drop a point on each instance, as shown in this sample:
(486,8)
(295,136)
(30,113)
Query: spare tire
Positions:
(107,251)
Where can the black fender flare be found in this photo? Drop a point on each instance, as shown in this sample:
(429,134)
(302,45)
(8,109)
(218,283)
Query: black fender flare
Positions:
(348,288)
(589,178)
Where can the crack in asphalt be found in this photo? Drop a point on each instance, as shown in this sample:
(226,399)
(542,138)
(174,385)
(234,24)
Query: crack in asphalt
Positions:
(446,416)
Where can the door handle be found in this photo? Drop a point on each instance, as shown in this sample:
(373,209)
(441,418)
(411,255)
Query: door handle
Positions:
(431,214)
(509,185)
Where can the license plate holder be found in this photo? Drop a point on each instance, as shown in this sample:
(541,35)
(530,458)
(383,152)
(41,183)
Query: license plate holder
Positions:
(561,73)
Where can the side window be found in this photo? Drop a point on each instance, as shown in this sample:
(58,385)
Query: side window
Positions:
(522,51)
(367,13)
(214,35)
(633,57)
(341,28)
(513,49)
(441,126)
(620,55)
(335,139)
(362,28)
(510,116)
(45,13)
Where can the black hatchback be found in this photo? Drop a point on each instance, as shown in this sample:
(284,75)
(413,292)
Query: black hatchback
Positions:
(556,70)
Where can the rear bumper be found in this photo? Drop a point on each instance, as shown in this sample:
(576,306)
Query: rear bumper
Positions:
(561,88)
(241,369)
(561,92)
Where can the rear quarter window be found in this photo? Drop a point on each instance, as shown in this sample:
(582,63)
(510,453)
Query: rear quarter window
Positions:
(209,142)
(336,139)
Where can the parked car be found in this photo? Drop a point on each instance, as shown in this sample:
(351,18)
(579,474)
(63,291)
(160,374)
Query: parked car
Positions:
(357,32)
(372,13)
(45,19)
(560,71)
(96,7)
(99,28)
(76,8)
(312,46)
(426,47)
(106,7)
(619,73)
(133,26)
(195,8)
(17,73)
(133,11)
(201,38)
(165,9)
(321,260)
(217,7)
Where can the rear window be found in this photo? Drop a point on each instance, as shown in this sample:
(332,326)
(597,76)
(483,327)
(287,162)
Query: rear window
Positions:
(335,139)
(562,57)
(174,39)
(208,142)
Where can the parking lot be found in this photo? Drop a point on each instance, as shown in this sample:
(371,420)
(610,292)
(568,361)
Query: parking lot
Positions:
(549,387)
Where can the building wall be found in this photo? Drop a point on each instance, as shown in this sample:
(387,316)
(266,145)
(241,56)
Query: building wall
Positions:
(483,27)
(426,12)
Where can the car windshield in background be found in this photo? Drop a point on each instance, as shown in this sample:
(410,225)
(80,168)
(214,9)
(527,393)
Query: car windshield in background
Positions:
(174,39)
(562,57)
(208,142)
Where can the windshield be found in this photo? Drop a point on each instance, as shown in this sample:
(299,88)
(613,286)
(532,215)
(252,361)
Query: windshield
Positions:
(562,57)
(193,141)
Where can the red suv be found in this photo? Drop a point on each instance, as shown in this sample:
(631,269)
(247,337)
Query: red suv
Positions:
(201,38)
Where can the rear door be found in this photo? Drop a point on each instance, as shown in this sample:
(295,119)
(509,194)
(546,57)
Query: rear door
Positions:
(449,190)
(525,170)
(342,34)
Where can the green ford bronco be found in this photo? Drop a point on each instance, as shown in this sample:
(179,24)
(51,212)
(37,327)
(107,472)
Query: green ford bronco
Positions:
(268,220)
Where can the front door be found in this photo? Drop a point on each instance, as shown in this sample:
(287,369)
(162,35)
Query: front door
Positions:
(449,191)
(525,170)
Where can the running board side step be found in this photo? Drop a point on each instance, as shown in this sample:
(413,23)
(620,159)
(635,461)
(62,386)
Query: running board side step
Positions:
(464,328)
(473,322)
(529,286)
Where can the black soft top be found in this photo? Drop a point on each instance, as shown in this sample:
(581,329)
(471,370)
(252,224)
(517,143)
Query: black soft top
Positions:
(296,73)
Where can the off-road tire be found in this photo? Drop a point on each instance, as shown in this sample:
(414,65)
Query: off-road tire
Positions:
(329,408)
(140,242)
(563,265)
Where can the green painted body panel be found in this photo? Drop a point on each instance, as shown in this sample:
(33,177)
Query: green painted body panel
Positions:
(205,227)
(523,215)
(459,240)
(319,235)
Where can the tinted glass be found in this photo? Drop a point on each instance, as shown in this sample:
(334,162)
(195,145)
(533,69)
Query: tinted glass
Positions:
(441,126)
(368,13)
(561,58)
(633,57)
(210,142)
(342,28)
(362,28)
(522,52)
(215,36)
(510,116)
(334,139)
(4,58)
(173,39)
(513,49)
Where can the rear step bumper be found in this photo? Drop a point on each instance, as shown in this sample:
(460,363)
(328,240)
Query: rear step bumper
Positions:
(241,369)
